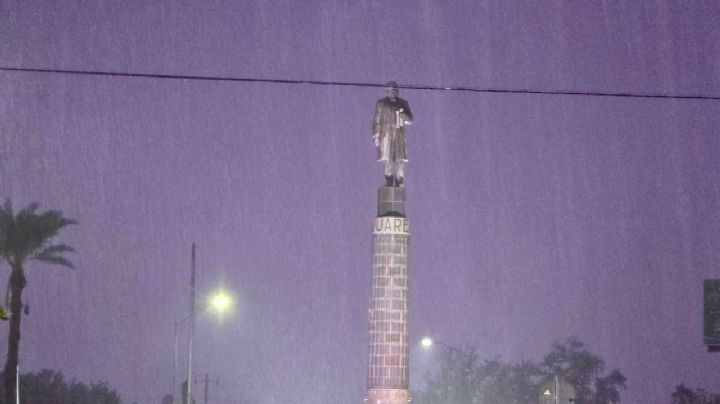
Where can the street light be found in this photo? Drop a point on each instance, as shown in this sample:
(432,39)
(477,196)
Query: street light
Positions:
(558,390)
(428,342)
(220,302)
(548,395)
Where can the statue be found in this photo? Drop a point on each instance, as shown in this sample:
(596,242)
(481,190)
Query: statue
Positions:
(392,114)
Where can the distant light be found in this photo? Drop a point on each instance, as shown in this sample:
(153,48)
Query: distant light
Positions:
(426,342)
(221,302)
(547,393)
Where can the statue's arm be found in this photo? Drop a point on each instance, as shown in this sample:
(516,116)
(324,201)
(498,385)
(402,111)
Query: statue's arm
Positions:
(408,113)
(376,121)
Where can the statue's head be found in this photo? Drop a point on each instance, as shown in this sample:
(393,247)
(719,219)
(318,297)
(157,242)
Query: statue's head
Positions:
(392,89)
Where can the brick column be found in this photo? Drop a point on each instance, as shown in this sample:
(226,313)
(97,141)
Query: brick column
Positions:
(389,355)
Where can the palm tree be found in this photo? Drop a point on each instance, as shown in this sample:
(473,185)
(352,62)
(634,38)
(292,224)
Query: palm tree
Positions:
(26,235)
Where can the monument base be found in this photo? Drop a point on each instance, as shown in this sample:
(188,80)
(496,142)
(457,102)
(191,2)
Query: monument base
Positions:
(388,396)
(391,201)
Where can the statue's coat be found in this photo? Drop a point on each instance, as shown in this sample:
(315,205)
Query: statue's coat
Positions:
(391,138)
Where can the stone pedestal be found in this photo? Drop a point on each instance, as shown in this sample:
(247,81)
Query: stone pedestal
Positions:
(389,354)
(388,396)
(391,201)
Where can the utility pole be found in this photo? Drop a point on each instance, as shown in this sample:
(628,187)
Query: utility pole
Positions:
(206,380)
(175,349)
(192,325)
(176,327)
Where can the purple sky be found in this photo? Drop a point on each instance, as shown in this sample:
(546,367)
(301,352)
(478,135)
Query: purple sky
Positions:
(534,217)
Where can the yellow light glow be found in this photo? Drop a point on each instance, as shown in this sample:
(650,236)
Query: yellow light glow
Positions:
(221,302)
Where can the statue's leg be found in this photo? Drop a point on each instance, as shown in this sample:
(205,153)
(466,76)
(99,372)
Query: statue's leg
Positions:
(400,171)
(388,173)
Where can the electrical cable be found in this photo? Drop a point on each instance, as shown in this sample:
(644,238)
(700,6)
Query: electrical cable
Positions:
(360,84)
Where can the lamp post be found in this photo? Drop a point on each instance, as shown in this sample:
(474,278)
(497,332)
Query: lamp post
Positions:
(176,327)
(558,390)
(192,326)
(548,395)
(428,342)
(219,302)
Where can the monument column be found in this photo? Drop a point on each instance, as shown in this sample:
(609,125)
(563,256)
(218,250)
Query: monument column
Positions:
(389,354)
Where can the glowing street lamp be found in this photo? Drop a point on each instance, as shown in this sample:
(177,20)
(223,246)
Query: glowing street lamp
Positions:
(220,302)
(428,343)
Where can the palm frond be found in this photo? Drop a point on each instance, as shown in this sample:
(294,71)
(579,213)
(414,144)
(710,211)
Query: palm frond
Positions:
(29,210)
(26,234)
(54,259)
(7,224)
(55,249)
(53,255)
(34,230)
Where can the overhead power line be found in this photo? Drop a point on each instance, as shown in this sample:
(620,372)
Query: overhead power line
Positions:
(359,84)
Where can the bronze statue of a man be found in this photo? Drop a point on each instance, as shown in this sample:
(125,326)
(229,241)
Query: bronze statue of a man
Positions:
(392,114)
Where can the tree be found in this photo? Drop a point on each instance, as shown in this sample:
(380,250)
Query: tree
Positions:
(463,378)
(459,374)
(685,395)
(513,384)
(583,370)
(24,236)
(50,387)
(606,388)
